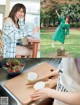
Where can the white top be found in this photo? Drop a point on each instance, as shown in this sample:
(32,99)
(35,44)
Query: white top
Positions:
(69,79)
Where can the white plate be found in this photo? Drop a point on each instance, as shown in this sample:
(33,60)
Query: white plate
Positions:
(32,76)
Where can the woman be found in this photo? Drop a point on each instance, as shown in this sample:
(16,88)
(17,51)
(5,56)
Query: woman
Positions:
(68,84)
(61,31)
(14,29)
(1,44)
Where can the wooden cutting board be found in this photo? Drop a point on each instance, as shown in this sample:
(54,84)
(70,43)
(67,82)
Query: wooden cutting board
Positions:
(17,86)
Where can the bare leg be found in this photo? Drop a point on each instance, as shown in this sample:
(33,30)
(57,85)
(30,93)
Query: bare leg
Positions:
(62,48)
(52,44)
(22,50)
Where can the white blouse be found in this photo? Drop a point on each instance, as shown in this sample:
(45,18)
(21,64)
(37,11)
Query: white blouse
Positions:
(69,79)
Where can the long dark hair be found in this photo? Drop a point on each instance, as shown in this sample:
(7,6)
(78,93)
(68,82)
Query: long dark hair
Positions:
(16,8)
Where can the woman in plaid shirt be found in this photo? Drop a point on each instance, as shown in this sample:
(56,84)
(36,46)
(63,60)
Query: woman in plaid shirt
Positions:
(13,29)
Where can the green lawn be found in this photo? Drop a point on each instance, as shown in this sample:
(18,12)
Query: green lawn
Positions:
(71,45)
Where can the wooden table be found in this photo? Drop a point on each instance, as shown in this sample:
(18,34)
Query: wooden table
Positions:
(35,43)
(17,86)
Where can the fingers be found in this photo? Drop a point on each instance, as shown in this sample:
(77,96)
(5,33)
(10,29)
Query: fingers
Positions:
(35,96)
(52,74)
(39,94)
(36,30)
(56,10)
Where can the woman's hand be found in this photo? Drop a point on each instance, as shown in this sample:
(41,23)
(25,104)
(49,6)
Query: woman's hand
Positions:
(40,94)
(56,11)
(36,29)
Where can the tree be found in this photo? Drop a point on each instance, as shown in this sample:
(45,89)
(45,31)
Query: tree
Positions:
(68,7)
(71,10)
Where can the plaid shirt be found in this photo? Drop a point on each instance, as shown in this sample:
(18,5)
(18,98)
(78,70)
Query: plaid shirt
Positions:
(10,37)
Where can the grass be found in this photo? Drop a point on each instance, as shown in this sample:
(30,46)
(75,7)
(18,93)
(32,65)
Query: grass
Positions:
(71,45)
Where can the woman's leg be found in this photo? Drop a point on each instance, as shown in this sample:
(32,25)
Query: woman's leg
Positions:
(23,51)
(53,44)
(62,47)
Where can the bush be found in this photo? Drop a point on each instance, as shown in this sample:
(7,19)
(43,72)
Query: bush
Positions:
(75,25)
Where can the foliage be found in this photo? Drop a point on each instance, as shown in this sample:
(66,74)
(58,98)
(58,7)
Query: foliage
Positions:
(72,10)
(48,15)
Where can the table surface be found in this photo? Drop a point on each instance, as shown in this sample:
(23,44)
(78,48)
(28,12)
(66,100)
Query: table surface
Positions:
(33,40)
(18,86)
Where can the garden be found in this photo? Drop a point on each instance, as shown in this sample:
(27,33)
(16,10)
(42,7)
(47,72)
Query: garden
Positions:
(49,22)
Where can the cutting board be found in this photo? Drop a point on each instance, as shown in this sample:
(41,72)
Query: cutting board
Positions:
(17,86)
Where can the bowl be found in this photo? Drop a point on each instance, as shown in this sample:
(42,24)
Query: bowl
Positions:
(13,66)
(39,85)
(32,76)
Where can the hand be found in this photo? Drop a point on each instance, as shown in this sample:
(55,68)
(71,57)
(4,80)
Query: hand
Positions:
(40,94)
(56,11)
(36,29)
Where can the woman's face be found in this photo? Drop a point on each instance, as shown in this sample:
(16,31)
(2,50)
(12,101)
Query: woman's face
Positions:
(67,20)
(19,14)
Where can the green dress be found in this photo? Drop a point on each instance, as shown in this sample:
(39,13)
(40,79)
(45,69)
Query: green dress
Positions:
(61,31)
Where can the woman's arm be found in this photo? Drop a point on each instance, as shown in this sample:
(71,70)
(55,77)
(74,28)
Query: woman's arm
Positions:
(68,98)
(36,29)
(54,73)
(57,13)
(61,19)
